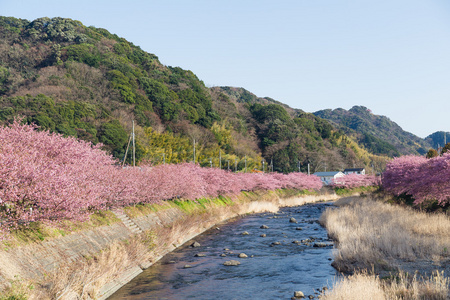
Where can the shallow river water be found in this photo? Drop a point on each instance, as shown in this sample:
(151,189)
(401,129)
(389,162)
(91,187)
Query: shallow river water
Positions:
(271,271)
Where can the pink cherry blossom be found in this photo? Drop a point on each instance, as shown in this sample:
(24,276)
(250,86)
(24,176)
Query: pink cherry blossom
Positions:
(47,177)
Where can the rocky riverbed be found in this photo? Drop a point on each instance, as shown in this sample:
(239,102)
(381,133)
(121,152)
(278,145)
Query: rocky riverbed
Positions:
(260,256)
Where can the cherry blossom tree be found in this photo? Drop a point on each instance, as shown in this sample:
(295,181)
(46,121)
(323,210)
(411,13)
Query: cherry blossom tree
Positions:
(351,181)
(423,179)
(47,177)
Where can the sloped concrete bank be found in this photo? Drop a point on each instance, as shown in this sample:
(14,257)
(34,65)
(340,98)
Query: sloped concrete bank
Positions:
(94,264)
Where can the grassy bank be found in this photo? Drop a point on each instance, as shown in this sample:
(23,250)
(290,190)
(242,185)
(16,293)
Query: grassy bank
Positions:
(368,286)
(387,239)
(358,190)
(184,219)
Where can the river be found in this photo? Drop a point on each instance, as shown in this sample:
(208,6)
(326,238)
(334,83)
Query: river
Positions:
(291,257)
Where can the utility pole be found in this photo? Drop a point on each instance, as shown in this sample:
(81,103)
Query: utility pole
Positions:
(164,158)
(308,169)
(210,161)
(134,148)
(263,165)
(126,152)
(298,164)
(228,164)
(271,165)
(194,151)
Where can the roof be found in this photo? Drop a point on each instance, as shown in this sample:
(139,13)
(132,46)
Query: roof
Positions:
(327,174)
(353,169)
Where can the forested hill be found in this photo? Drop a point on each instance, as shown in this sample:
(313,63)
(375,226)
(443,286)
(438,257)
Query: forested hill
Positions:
(89,83)
(377,133)
(438,139)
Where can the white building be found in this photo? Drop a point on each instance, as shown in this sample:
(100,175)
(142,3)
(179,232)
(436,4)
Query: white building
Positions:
(327,177)
(360,171)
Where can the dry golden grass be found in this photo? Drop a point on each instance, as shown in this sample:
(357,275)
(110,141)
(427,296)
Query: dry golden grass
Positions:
(370,233)
(356,287)
(384,238)
(365,286)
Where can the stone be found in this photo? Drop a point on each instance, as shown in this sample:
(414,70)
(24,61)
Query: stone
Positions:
(292,220)
(242,255)
(245,233)
(223,255)
(195,244)
(299,295)
(187,266)
(263,235)
(298,228)
(319,245)
(311,297)
(275,243)
(264,227)
(231,263)
(200,255)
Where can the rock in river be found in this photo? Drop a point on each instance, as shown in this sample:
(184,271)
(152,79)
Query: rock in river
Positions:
(299,295)
(195,244)
(231,263)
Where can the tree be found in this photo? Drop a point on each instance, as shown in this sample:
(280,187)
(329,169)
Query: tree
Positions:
(446,148)
(114,136)
(432,153)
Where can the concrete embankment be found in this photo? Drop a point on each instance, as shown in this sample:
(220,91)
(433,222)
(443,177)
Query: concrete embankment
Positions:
(93,264)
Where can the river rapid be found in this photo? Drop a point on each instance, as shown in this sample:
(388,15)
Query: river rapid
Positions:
(294,255)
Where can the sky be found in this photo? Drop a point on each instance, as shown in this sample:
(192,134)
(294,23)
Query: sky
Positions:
(392,56)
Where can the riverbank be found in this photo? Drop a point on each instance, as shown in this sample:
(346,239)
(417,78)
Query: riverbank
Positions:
(94,263)
(389,242)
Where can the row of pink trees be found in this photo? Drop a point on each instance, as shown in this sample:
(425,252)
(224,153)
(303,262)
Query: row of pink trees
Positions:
(423,179)
(47,177)
(351,181)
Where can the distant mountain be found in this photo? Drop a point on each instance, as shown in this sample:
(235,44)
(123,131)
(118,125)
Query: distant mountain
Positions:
(377,133)
(438,139)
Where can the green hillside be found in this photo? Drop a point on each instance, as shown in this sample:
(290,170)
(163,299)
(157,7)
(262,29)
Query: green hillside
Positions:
(88,83)
(378,134)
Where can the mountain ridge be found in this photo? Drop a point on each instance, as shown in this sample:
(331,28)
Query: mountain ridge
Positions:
(377,133)
(89,83)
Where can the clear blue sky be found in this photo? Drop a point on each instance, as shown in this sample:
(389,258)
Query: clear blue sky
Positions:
(392,56)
